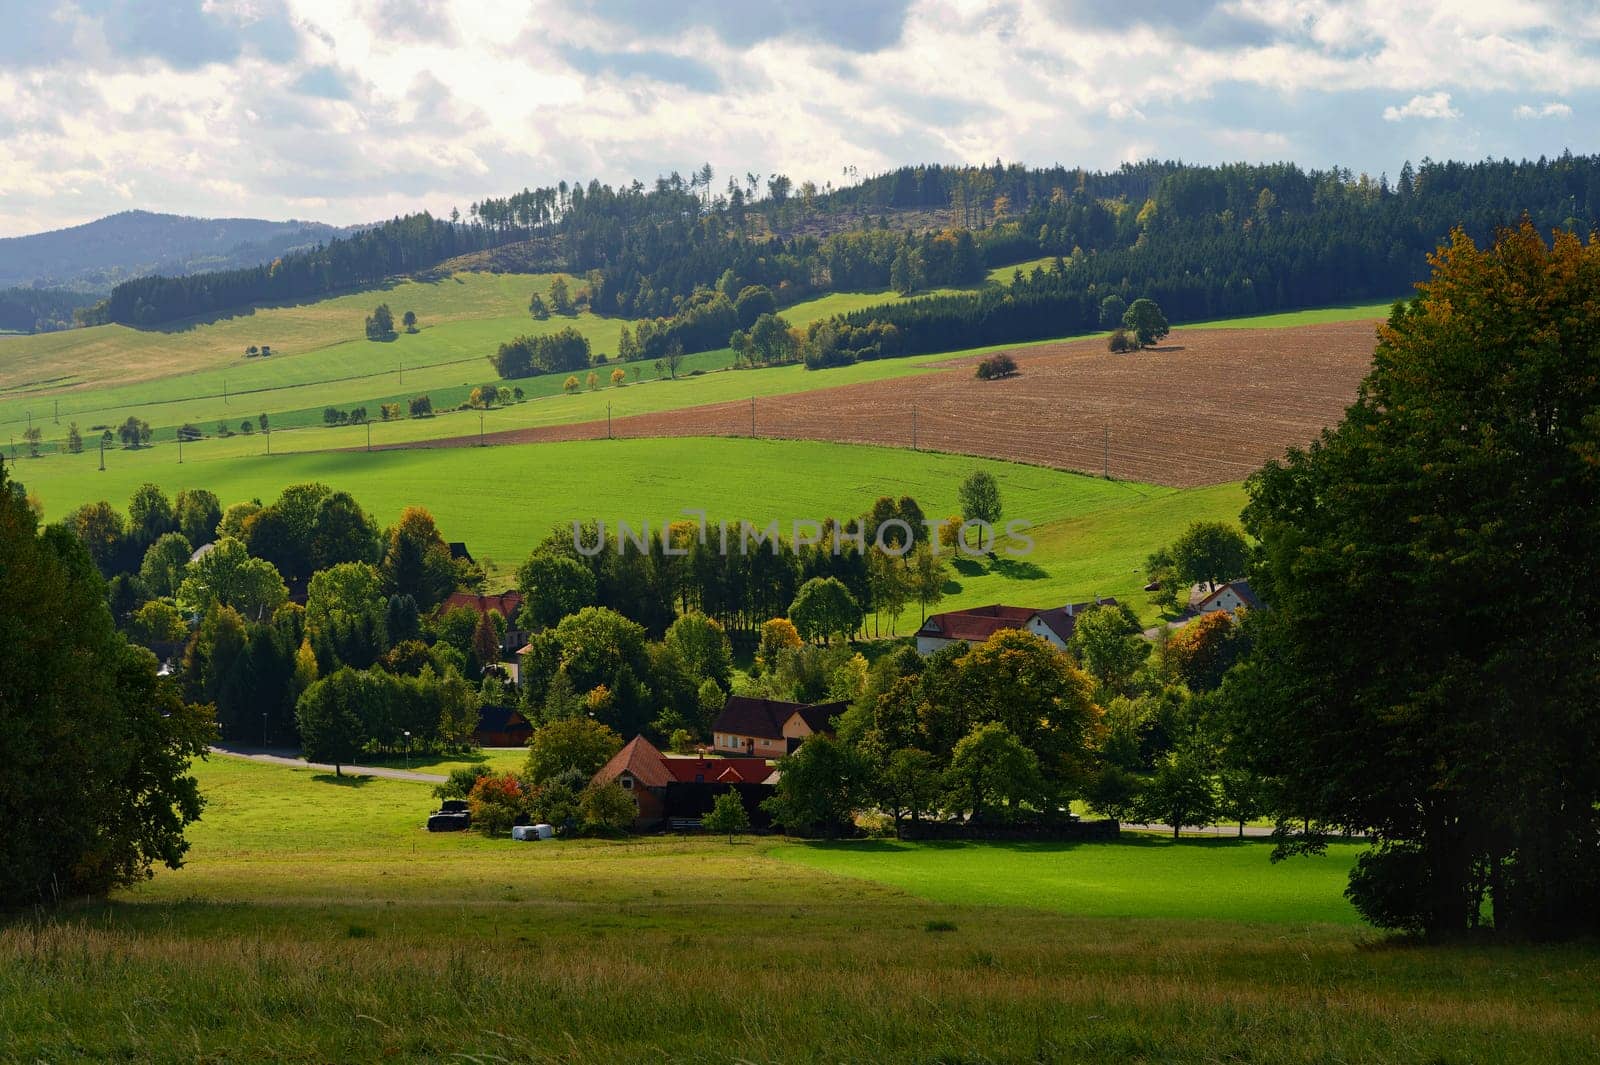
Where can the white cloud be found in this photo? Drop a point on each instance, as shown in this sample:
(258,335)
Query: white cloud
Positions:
(1433,105)
(1550,110)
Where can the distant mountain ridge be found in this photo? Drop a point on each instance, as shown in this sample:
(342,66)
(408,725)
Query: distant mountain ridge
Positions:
(96,256)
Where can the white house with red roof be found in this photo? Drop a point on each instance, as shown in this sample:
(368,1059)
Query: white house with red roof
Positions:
(1054,625)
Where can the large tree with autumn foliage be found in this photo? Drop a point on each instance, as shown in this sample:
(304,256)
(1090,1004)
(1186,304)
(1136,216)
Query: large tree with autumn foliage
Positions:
(1430,670)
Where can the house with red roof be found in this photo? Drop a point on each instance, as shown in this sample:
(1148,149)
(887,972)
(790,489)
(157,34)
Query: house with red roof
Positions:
(769,728)
(683,788)
(1054,625)
(507,604)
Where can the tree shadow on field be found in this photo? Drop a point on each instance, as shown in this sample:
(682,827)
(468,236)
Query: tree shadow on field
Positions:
(1017,570)
(951,588)
(967,567)
(347,780)
(1165,347)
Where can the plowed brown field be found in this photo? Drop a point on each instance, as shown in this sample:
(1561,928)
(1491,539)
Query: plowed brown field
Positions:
(1208,406)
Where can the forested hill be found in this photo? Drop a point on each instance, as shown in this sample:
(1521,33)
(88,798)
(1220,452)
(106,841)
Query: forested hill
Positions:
(97,255)
(1205,241)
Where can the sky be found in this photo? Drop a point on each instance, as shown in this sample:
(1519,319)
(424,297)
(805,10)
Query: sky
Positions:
(348,111)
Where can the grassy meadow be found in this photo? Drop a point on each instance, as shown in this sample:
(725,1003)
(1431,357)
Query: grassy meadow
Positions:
(196,371)
(1091,535)
(315,921)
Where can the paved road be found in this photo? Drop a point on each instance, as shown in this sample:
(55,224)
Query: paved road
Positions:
(1232,831)
(290,758)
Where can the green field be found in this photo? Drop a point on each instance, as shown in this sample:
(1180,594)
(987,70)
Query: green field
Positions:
(1091,535)
(197,372)
(1140,876)
(315,921)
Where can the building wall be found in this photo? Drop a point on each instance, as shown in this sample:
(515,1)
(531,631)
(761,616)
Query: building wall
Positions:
(652,808)
(1223,599)
(1046,633)
(752,746)
(926,645)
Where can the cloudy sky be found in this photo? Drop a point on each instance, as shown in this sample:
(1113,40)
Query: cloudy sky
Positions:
(352,110)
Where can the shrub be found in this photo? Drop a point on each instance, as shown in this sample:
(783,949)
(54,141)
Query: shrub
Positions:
(461,781)
(496,800)
(727,815)
(1120,342)
(420,407)
(996,367)
(607,809)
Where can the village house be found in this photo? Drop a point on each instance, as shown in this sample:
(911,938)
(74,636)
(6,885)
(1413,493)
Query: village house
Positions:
(1231,596)
(682,789)
(1228,598)
(507,604)
(768,728)
(976,625)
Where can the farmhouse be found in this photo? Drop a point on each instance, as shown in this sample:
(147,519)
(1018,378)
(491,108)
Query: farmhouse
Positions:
(1230,597)
(768,728)
(501,726)
(976,625)
(507,604)
(684,788)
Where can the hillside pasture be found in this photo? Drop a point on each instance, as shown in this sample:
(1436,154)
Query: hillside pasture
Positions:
(1091,534)
(316,921)
(172,374)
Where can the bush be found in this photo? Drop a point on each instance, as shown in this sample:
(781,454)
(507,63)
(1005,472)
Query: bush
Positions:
(461,781)
(607,809)
(1120,342)
(496,801)
(728,816)
(996,367)
(1390,888)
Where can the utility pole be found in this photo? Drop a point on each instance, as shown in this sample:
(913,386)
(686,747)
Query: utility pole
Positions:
(369,436)
(752,417)
(480,428)
(1105,455)
(402,369)
(224,391)
(102,454)
(914,432)
(608,421)
(180,447)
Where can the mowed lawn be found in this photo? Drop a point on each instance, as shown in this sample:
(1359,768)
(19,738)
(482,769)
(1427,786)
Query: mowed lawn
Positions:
(1143,875)
(1091,535)
(316,921)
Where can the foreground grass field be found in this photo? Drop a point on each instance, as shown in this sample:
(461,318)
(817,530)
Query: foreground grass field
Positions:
(1091,535)
(316,922)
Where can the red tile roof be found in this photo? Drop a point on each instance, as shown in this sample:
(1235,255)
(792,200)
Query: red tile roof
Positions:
(507,603)
(718,770)
(652,769)
(977,624)
(980,623)
(642,759)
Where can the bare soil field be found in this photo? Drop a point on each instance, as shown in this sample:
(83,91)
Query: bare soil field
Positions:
(1208,406)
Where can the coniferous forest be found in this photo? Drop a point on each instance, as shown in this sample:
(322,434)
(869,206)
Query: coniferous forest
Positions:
(1202,241)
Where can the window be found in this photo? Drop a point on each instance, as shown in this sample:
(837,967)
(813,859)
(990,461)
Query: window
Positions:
(627,782)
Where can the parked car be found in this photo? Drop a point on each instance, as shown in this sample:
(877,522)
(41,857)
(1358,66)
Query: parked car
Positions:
(452,816)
